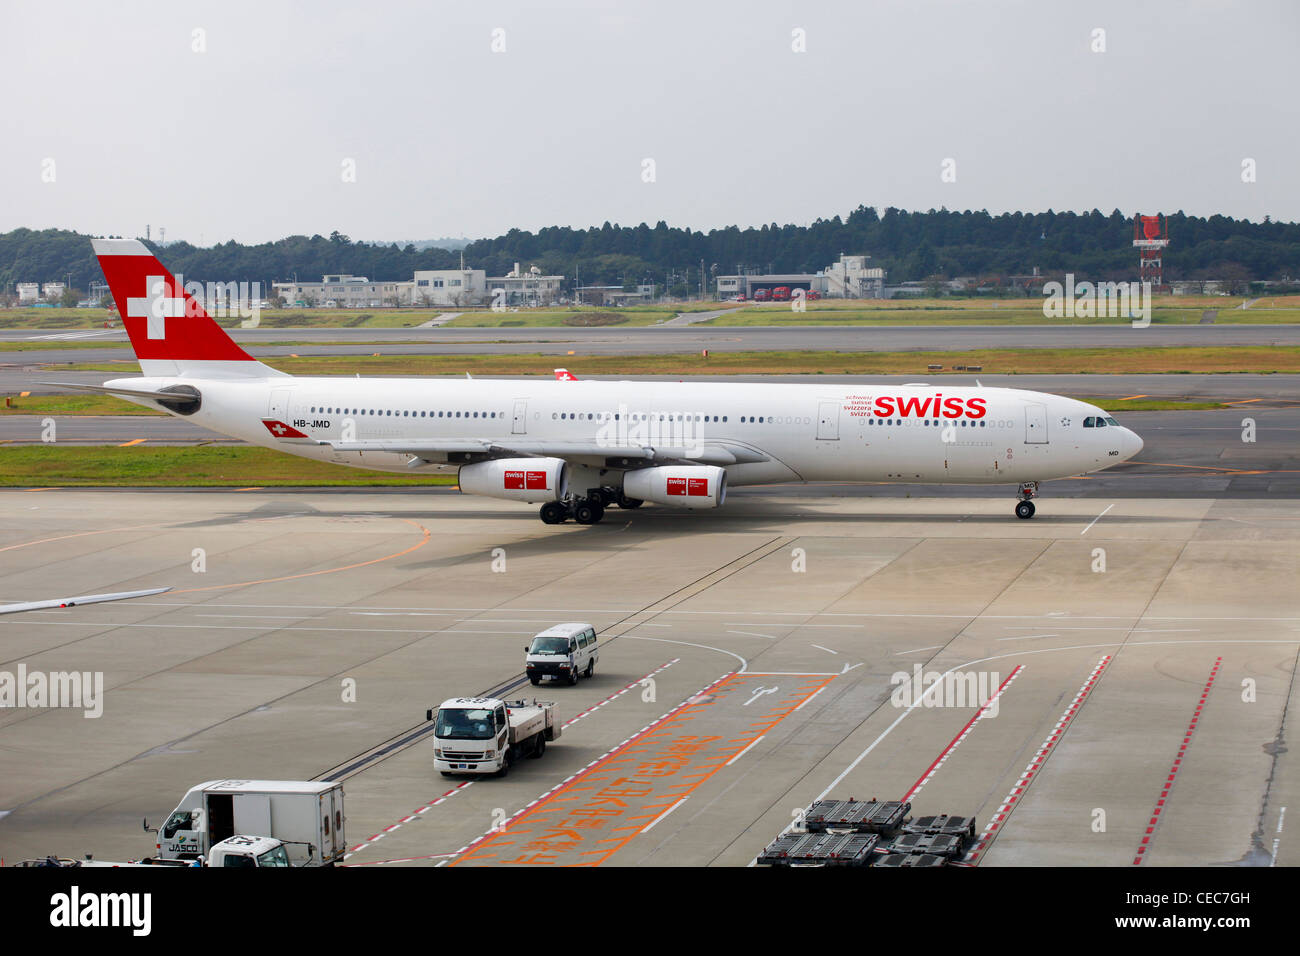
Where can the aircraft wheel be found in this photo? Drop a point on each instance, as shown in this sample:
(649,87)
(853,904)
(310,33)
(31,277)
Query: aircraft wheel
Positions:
(629,503)
(553,512)
(1024,509)
(585,512)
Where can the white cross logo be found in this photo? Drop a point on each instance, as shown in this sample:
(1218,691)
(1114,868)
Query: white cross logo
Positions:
(278,428)
(156,307)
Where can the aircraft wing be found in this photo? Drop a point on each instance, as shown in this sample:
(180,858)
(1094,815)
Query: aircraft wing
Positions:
(713,453)
(75,601)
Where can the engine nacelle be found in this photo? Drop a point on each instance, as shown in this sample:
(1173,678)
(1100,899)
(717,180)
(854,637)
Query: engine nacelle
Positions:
(682,486)
(516,479)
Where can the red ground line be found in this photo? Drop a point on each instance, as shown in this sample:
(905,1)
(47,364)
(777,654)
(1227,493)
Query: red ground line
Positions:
(1177,765)
(961,735)
(1039,758)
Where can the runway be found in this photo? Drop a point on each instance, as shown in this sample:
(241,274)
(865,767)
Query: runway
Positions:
(1144,649)
(666,339)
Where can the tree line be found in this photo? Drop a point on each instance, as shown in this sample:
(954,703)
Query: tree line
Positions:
(912,246)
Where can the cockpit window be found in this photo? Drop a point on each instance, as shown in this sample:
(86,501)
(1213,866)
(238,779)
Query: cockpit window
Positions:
(1090,422)
(1111,421)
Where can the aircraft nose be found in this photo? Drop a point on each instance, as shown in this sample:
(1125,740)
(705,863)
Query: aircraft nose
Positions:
(1132,443)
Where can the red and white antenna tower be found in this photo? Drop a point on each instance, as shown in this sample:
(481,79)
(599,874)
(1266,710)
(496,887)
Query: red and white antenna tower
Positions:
(1150,237)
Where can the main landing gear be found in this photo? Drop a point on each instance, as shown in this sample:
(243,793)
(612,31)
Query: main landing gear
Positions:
(1025,507)
(588,510)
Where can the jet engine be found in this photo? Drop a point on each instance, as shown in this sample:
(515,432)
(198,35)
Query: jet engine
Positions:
(681,486)
(516,479)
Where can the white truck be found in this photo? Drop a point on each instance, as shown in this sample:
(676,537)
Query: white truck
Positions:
(236,851)
(480,735)
(564,652)
(304,816)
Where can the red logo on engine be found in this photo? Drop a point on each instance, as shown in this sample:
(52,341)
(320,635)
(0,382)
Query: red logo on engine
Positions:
(688,486)
(525,481)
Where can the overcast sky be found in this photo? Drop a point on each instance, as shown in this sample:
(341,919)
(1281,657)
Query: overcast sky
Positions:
(248,139)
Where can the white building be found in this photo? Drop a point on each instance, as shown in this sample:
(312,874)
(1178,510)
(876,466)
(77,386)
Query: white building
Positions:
(852,278)
(52,291)
(529,288)
(455,287)
(29,293)
(344,291)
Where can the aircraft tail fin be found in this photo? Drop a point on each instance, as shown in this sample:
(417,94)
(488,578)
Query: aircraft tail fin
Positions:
(170,331)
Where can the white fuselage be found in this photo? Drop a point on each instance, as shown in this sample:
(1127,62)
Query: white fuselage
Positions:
(868,432)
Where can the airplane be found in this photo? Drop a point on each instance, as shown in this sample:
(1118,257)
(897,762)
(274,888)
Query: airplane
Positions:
(576,447)
(78,601)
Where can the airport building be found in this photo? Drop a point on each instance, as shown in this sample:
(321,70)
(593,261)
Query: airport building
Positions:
(849,278)
(344,291)
(455,287)
(29,293)
(852,278)
(613,295)
(520,288)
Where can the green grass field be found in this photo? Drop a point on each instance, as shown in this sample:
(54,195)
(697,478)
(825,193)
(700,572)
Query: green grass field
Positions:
(1099,361)
(943,311)
(80,404)
(25,466)
(1021,315)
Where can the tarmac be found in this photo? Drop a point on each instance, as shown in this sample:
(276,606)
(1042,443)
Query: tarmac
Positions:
(1127,667)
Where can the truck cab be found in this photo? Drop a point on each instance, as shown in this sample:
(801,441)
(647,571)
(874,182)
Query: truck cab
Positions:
(249,851)
(564,652)
(484,735)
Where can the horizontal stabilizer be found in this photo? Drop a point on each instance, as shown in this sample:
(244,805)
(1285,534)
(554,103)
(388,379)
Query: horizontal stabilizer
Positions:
(153,393)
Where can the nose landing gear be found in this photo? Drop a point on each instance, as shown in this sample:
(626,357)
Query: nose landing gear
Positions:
(1025,507)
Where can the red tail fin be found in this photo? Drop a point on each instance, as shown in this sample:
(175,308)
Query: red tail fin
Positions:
(169,330)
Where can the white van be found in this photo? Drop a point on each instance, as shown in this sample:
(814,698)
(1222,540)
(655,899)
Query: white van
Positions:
(563,651)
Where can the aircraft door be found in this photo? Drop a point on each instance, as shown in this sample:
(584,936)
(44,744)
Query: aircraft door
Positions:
(1035,424)
(520,424)
(279,408)
(828,421)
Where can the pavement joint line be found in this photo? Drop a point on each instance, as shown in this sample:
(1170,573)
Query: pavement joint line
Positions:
(752,744)
(620,693)
(961,736)
(651,825)
(408,818)
(805,703)
(1159,808)
(1039,758)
